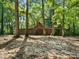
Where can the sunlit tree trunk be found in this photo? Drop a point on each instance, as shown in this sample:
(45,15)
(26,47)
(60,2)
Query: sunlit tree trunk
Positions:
(27,20)
(62,22)
(17,18)
(44,32)
(2,26)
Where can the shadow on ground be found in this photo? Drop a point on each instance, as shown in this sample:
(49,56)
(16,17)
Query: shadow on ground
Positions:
(10,43)
(34,47)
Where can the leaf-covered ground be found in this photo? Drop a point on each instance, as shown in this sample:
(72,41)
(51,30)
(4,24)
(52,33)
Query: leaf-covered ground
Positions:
(52,45)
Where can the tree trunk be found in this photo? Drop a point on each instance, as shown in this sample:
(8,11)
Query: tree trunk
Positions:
(73,28)
(17,18)
(44,32)
(27,21)
(2,26)
(53,31)
(62,25)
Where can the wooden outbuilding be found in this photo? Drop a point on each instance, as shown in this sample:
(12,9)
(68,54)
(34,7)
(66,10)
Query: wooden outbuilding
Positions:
(37,30)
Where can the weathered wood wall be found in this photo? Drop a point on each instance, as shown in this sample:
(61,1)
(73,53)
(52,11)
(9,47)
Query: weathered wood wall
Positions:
(37,30)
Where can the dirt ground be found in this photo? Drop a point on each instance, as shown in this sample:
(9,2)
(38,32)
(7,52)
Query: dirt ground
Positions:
(9,47)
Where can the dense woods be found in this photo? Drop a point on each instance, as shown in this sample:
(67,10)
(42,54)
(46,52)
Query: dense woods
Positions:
(59,15)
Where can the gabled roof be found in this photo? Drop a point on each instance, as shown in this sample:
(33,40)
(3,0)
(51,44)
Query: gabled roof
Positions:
(39,25)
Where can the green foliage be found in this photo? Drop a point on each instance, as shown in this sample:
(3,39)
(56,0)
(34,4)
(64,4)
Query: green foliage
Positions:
(71,12)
